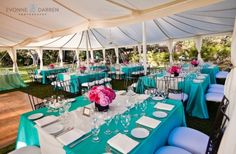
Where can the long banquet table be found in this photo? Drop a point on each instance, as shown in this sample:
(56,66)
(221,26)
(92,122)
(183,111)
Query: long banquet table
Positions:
(30,134)
(130,69)
(47,72)
(212,71)
(82,78)
(11,81)
(196,105)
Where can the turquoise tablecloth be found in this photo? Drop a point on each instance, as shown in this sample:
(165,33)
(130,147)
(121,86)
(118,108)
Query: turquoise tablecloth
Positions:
(212,71)
(27,133)
(101,67)
(11,81)
(48,72)
(196,105)
(130,69)
(82,78)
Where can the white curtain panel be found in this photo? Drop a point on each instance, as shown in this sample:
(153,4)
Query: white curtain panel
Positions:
(117,55)
(228,144)
(198,44)
(61,57)
(104,55)
(40,54)
(77,56)
(13,55)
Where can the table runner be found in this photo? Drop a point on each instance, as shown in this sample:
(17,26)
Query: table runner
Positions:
(11,81)
(29,135)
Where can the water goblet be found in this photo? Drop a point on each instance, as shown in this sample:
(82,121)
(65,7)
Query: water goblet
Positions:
(143,107)
(116,119)
(108,119)
(95,132)
(125,121)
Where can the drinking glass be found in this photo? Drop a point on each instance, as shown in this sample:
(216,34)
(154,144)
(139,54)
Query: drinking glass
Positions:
(125,121)
(108,119)
(116,119)
(143,107)
(95,131)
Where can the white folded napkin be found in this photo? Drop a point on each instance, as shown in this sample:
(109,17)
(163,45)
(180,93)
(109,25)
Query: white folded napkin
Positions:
(197,81)
(46,120)
(164,106)
(70,136)
(204,75)
(122,143)
(148,122)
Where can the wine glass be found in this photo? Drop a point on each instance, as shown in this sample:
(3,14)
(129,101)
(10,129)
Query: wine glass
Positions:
(116,119)
(125,121)
(95,130)
(108,119)
(143,107)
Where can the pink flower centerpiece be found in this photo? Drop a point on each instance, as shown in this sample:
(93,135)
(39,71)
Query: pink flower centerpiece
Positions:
(82,69)
(195,62)
(175,70)
(102,96)
(51,66)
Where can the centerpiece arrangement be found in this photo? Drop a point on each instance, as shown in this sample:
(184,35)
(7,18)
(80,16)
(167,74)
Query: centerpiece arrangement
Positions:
(175,70)
(82,69)
(51,66)
(102,96)
(195,62)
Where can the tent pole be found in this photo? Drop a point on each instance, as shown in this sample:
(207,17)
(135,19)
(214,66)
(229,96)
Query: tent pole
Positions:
(104,55)
(140,52)
(198,44)
(61,57)
(87,51)
(77,56)
(144,47)
(117,55)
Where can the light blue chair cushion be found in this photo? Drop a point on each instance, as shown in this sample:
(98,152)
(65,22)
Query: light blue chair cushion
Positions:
(214,97)
(171,150)
(189,139)
(222,75)
(220,86)
(215,90)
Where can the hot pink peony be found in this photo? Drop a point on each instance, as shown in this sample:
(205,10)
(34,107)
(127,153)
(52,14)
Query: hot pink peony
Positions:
(174,69)
(82,68)
(51,66)
(101,95)
(195,62)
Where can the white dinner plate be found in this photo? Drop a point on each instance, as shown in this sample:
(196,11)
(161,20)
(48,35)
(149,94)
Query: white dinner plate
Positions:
(54,128)
(139,133)
(159,114)
(35,116)
(158,98)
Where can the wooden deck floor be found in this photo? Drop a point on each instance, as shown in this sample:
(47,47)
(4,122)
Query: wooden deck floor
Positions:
(12,105)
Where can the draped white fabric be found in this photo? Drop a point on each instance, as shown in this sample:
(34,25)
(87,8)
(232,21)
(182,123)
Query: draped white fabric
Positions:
(13,55)
(104,55)
(198,44)
(228,144)
(117,55)
(170,46)
(144,47)
(92,55)
(140,52)
(40,54)
(61,57)
(77,57)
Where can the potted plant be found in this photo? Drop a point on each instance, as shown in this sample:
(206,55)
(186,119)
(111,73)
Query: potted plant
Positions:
(102,96)
(175,70)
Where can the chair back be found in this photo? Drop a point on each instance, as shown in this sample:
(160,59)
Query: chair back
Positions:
(218,128)
(161,84)
(35,102)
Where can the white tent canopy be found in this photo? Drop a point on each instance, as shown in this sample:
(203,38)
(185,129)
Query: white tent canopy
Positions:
(60,23)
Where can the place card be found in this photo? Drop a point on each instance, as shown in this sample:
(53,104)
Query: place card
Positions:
(86,111)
